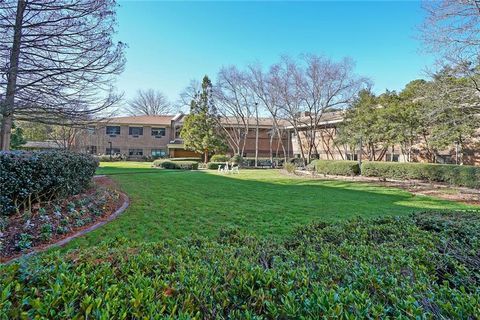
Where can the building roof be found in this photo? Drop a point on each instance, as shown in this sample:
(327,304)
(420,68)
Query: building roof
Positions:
(145,120)
(48,144)
(304,121)
(325,119)
(263,122)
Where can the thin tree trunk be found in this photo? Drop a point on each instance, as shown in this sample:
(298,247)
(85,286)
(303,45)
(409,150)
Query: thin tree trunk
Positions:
(7,110)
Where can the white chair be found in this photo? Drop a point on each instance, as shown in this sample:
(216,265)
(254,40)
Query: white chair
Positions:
(235,170)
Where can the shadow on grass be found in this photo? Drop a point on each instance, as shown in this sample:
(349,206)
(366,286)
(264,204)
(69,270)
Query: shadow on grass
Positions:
(168,204)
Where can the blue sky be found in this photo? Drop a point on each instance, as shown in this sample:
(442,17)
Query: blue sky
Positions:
(171,43)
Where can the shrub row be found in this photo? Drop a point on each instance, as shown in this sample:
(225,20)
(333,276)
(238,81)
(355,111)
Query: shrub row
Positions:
(112,158)
(196,159)
(418,267)
(467,176)
(215,165)
(333,167)
(29,177)
(176,164)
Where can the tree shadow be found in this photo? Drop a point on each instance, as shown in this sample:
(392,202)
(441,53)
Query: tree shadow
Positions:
(168,204)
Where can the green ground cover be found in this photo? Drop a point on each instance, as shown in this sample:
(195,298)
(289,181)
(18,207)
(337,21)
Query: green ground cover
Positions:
(169,204)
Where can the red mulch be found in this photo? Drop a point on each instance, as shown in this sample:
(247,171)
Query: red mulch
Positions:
(93,206)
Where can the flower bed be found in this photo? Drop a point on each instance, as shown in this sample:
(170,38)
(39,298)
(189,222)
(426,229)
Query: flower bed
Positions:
(49,222)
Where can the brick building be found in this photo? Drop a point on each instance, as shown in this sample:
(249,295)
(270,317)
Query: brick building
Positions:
(159,136)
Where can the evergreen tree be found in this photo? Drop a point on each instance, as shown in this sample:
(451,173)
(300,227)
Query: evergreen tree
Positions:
(17,139)
(201,132)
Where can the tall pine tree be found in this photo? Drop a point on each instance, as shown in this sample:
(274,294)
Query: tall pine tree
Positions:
(201,132)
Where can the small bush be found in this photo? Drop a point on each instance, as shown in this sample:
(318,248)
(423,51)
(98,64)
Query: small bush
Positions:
(336,167)
(219,158)
(215,165)
(30,177)
(290,167)
(236,159)
(108,158)
(175,164)
(467,176)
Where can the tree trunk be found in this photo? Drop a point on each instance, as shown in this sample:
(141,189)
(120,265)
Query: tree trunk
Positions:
(7,110)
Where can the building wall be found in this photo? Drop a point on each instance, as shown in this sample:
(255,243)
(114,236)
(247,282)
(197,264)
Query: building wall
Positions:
(124,141)
(328,149)
(265,146)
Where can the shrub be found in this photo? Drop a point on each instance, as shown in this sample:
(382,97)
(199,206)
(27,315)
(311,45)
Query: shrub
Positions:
(336,167)
(290,167)
(215,165)
(219,158)
(395,268)
(196,159)
(107,158)
(175,164)
(29,177)
(236,159)
(467,176)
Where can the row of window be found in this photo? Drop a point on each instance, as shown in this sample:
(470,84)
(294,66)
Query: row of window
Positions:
(132,131)
(131,152)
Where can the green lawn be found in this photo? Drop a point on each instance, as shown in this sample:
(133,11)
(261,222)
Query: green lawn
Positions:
(171,204)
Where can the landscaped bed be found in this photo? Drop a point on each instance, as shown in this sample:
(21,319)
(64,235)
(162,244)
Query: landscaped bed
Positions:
(422,266)
(49,222)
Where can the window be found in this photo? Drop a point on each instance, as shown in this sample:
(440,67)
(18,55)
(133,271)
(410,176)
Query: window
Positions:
(92,149)
(112,151)
(390,157)
(159,153)
(113,130)
(135,152)
(135,131)
(178,130)
(91,130)
(158,132)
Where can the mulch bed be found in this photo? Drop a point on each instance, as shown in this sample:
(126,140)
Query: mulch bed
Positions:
(438,190)
(49,223)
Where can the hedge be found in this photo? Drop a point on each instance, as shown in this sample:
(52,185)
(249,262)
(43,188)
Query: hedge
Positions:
(29,177)
(215,165)
(196,159)
(336,167)
(175,164)
(219,158)
(418,267)
(467,176)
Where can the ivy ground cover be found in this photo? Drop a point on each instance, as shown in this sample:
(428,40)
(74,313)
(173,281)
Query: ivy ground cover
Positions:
(425,266)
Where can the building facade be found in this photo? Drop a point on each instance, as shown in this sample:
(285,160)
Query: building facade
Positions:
(159,136)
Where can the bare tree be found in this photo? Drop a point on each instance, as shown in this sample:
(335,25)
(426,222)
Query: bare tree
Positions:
(309,87)
(284,79)
(149,102)
(57,60)
(188,94)
(264,92)
(235,103)
(325,85)
(452,30)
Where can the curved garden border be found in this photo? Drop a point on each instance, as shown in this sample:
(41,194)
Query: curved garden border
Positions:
(64,241)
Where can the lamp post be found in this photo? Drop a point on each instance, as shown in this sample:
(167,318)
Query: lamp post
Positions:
(359,155)
(110,143)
